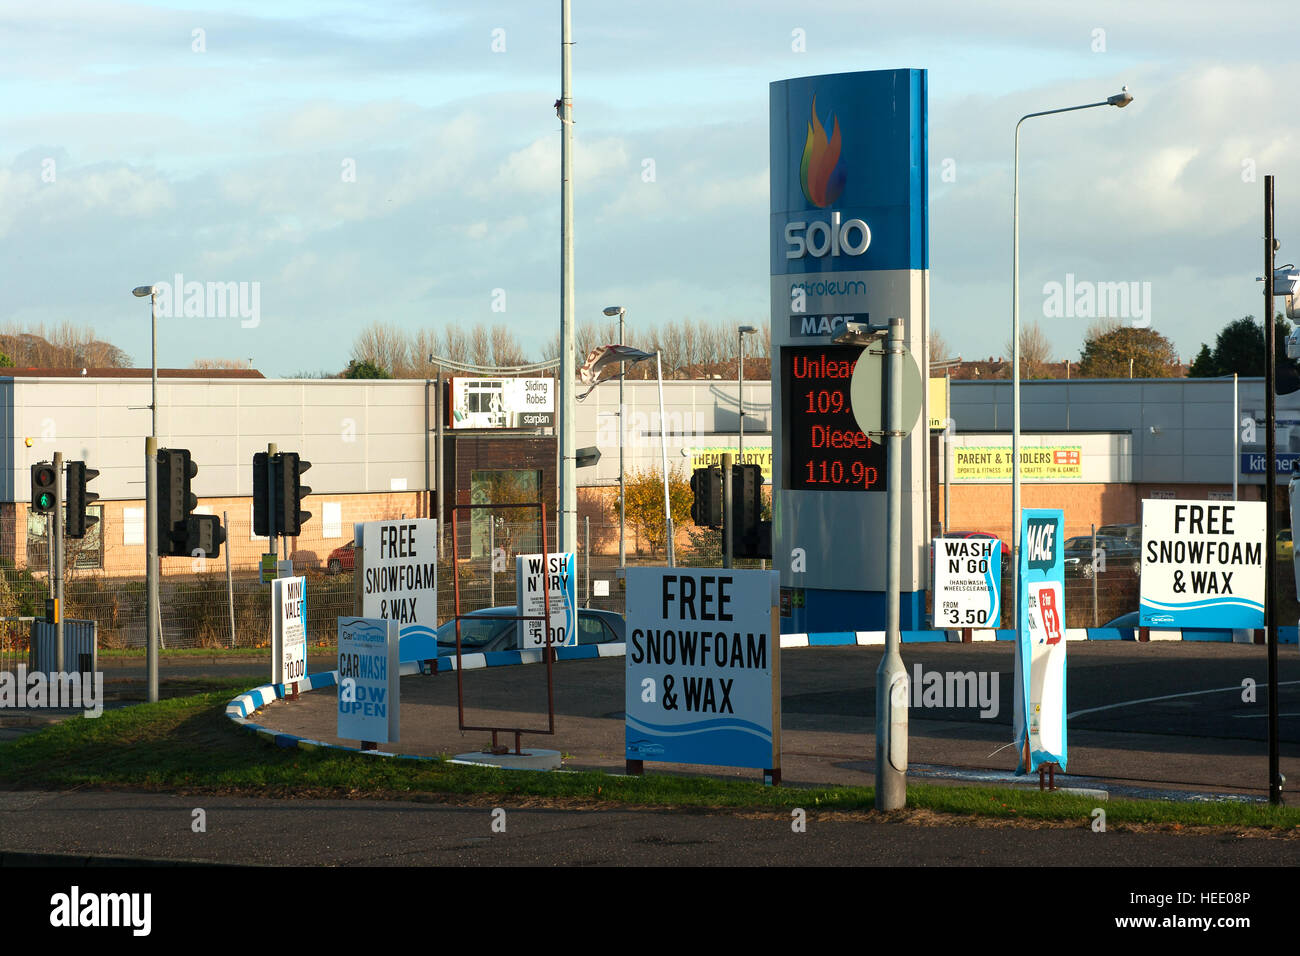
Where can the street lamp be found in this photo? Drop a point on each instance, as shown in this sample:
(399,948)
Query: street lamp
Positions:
(1121,99)
(622,488)
(151,291)
(152,625)
(740,382)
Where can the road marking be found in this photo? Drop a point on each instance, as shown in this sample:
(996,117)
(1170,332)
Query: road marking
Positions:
(1147,700)
(1240,716)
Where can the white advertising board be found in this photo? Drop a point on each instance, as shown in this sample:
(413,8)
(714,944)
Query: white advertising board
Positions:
(400,573)
(702,673)
(368,697)
(288,630)
(1202,564)
(502,402)
(530,582)
(967,582)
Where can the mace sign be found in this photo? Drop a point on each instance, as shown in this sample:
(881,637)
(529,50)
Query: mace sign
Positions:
(533,574)
(967,582)
(1202,564)
(288,630)
(1040,648)
(400,573)
(703,681)
(368,701)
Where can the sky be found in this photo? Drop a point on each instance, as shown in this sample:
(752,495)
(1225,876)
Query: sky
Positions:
(349,162)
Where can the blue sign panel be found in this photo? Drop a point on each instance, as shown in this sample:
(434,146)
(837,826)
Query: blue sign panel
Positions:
(1284,463)
(856,198)
(1040,645)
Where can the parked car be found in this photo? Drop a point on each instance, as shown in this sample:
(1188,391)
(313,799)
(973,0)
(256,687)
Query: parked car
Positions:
(342,559)
(1132,533)
(1124,620)
(1119,554)
(1285,546)
(481,633)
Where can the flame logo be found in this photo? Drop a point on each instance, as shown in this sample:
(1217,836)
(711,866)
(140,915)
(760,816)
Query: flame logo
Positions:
(821,171)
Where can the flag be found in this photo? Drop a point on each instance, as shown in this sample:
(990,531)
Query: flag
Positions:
(605,355)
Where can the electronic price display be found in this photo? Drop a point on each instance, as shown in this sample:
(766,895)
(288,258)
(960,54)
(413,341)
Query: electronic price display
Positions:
(825,450)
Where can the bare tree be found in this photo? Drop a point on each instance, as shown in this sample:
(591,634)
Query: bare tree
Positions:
(1035,352)
(939,350)
(383,345)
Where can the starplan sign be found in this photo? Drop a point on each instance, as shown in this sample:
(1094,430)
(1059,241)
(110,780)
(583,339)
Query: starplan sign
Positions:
(703,680)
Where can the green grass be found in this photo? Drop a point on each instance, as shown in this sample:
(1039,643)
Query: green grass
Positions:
(188,743)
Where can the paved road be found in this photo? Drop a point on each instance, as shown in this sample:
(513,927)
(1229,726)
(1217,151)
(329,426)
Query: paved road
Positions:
(406,833)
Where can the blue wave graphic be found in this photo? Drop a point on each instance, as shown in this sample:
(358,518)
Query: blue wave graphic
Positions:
(723,747)
(699,726)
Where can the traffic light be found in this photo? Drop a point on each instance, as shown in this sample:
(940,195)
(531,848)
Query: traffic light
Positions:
(261,495)
(175,501)
(706,509)
(752,537)
(78,498)
(289,493)
(204,535)
(44,488)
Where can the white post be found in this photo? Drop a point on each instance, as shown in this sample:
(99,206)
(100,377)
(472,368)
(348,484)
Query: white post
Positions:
(1236,437)
(567,520)
(663,449)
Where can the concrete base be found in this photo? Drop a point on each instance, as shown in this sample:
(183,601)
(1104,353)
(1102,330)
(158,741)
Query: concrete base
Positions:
(527,760)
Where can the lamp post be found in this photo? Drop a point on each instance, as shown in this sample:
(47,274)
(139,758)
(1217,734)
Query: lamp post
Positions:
(151,502)
(740,383)
(622,487)
(1121,99)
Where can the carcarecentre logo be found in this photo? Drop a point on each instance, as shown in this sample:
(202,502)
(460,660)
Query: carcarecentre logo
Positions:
(821,171)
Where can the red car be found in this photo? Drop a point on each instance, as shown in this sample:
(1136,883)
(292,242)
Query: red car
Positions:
(342,559)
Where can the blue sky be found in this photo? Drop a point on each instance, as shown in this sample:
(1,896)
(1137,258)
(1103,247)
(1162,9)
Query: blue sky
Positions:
(133,148)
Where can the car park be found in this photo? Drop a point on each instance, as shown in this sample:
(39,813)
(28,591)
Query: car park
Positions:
(1119,554)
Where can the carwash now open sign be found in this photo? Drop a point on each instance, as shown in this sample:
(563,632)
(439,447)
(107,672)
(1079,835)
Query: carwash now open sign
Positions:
(1202,564)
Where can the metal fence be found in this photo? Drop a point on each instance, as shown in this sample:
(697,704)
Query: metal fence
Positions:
(198,597)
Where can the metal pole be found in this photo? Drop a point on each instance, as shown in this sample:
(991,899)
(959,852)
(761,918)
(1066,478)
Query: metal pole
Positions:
(230,584)
(153,327)
(1270,495)
(440,412)
(622,424)
(663,449)
(891,679)
(949,431)
(1236,437)
(1095,622)
(586,551)
(568,523)
(152,630)
(56,527)
(492,559)
(740,393)
(1015,381)
(728,502)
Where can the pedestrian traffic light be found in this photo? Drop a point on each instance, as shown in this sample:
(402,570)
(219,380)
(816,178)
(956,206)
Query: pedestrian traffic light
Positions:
(752,537)
(262,494)
(706,509)
(78,498)
(289,494)
(176,470)
(203,536)
(44,488)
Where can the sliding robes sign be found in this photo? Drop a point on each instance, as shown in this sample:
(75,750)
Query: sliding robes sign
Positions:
(703,679)
(1202,564)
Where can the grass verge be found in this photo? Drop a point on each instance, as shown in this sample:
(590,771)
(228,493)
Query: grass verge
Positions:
(188,743)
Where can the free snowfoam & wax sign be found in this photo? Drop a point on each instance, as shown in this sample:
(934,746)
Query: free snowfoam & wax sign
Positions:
(400,573)
(1202,564)
(702,670)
